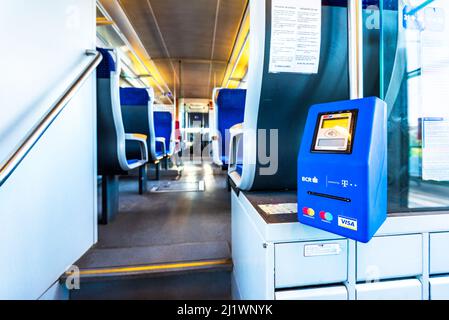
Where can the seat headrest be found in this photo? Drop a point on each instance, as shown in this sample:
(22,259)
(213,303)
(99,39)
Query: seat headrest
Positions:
(134,96)
(163,117)
(231,98)
(107,65)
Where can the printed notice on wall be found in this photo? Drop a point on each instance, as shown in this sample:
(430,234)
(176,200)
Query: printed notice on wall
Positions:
(435,159)
(295,36)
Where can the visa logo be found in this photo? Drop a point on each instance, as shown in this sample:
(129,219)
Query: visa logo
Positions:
(347,223)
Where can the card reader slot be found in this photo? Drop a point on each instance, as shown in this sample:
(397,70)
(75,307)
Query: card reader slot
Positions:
(323,195)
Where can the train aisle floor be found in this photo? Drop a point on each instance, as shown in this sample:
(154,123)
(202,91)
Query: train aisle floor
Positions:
(183,217)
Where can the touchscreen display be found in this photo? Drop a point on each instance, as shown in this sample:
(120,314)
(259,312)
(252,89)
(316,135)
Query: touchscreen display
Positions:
(338,122)
(334,132)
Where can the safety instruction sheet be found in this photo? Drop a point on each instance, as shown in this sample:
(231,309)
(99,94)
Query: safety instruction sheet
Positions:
(281,208)
(295,36)
(435,159)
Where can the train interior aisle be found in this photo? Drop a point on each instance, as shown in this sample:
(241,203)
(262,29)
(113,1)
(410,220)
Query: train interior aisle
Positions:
(171,235)
(171,243)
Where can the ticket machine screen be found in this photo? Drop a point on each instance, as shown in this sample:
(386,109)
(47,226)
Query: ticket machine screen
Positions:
(334,132)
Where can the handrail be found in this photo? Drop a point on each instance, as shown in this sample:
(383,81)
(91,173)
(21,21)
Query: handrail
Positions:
(355,48)
(17,156)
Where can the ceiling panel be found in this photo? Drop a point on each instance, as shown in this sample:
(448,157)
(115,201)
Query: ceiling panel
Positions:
(187,34)
(187,26)
(231,14)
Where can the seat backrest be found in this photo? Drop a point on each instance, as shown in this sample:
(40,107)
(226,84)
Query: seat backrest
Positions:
(278,103)
(164,128)
(230,111)
(110,130)
(135,111)
(138,110)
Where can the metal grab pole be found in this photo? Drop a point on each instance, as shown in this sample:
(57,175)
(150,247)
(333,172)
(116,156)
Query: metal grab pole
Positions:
(355,48)
(17,156)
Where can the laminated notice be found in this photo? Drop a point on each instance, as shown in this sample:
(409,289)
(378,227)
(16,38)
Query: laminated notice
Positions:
(295,36)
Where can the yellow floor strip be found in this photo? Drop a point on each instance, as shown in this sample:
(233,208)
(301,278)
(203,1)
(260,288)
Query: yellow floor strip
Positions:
(156,267)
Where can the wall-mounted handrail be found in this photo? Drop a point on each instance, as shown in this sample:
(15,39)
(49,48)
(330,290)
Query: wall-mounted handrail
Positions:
(17,156)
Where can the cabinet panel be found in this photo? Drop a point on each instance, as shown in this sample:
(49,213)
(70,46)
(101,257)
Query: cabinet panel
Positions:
(322,293)
(439,259)
(310,263)
(410,289)
(389,257)
(439,288)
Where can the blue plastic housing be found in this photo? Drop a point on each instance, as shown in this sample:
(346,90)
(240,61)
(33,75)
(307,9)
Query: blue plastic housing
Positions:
(346,193)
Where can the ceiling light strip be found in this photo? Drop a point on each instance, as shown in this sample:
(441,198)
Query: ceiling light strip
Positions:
(133,51)
(233,60)
(217,13)
(237,60)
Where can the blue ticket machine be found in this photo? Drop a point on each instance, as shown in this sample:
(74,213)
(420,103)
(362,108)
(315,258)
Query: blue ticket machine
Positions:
(342,168)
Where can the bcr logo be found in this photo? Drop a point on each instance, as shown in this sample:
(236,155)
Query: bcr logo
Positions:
(310,180)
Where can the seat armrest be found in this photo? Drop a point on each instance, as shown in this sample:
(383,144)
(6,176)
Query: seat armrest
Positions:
(164,144)
(236,135)
(142,140)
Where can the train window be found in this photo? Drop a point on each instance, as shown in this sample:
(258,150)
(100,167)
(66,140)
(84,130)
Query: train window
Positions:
(414,63)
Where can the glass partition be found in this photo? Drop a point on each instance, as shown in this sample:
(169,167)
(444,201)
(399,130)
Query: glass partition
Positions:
(414,78)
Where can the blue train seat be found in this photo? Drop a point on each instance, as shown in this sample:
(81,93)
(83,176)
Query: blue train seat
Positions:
(138,115)
(230,110)
(111,135)
(164,128)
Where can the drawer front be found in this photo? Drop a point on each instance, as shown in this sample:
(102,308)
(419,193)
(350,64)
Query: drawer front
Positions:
(439,288)
(322,293)
(390,290)
(310,263)
(439,257)
(389,257)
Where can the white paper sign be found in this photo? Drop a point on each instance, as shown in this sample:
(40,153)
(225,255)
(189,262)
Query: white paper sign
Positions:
(281,208)
(295,36)
(435,153)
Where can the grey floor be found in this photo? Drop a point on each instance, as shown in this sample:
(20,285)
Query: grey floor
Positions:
(165,227)
(168,226)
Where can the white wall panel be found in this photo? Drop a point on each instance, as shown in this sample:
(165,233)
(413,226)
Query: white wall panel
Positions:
(48,205)
(42,43)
